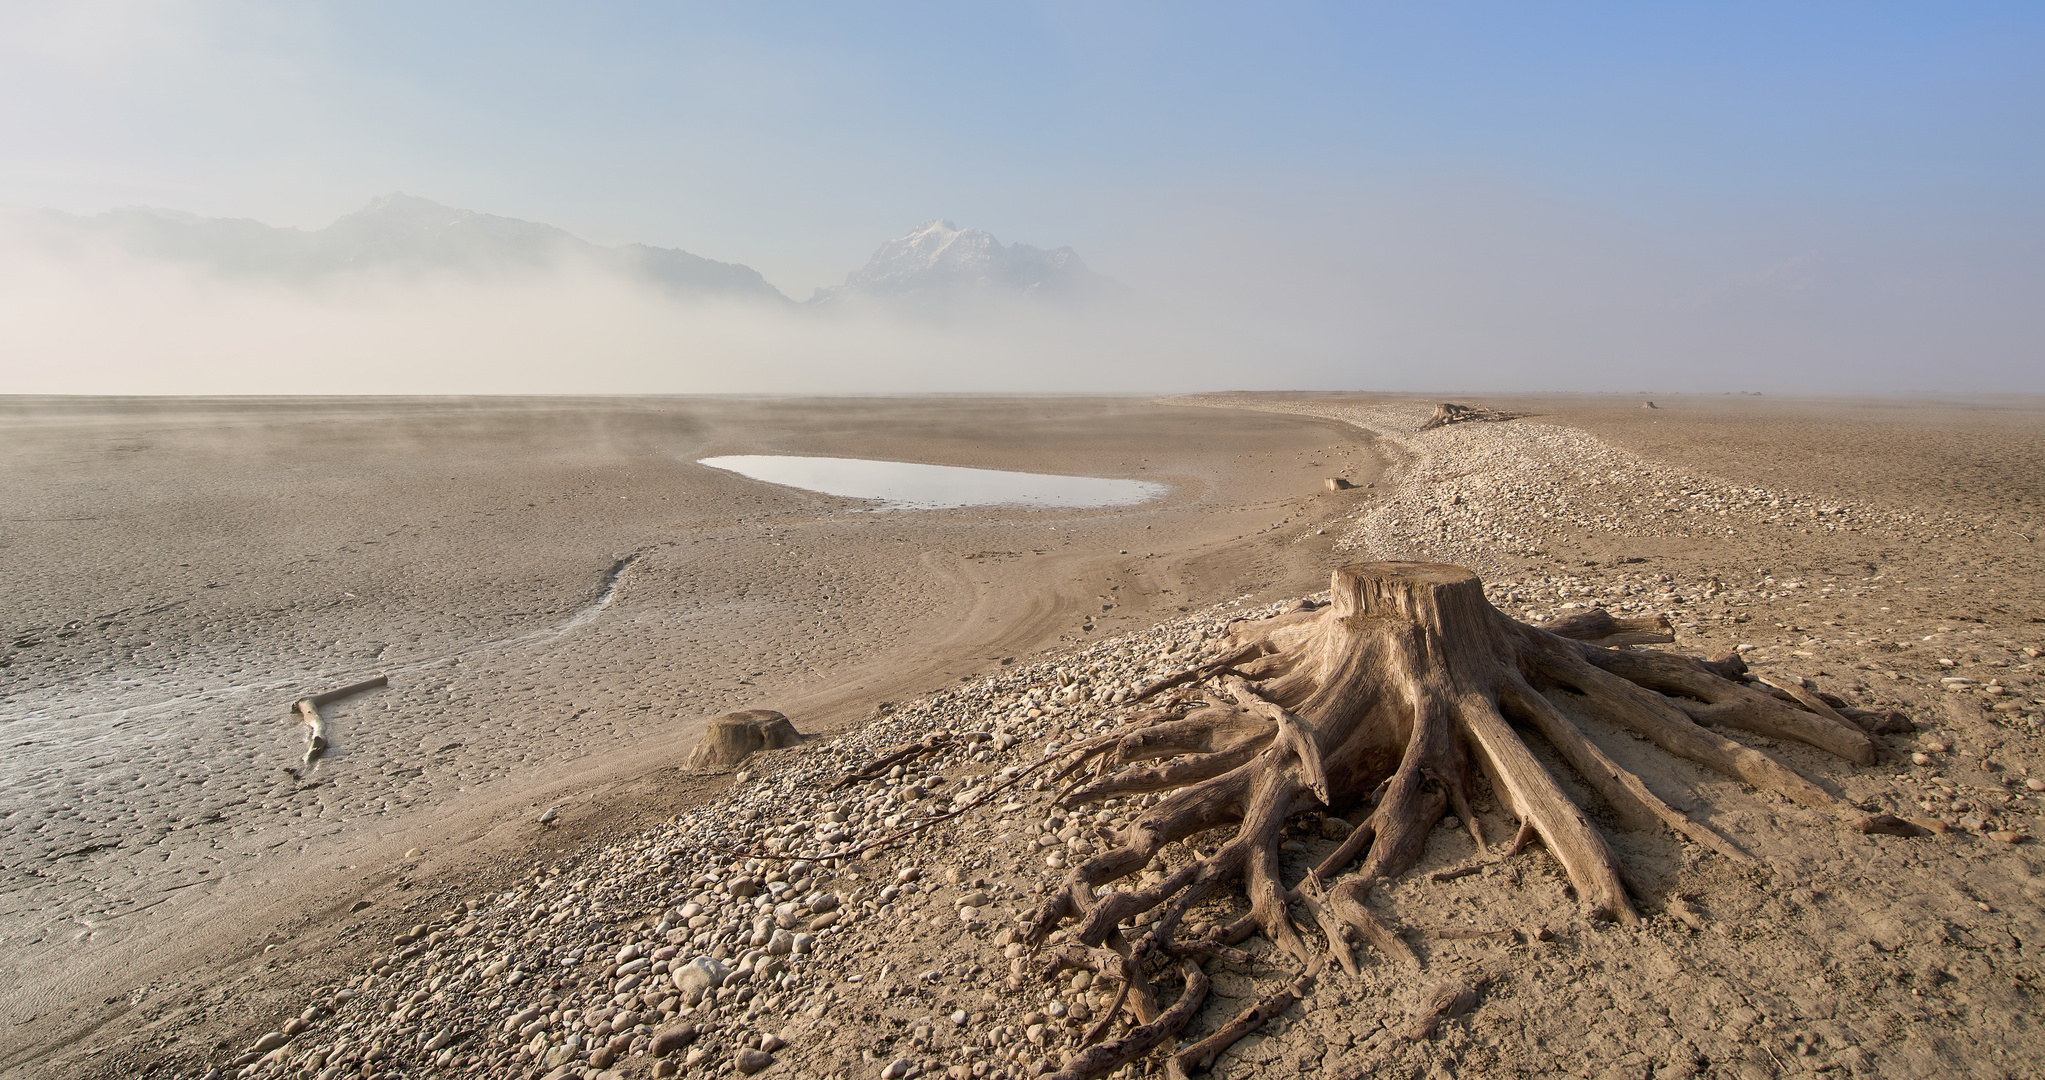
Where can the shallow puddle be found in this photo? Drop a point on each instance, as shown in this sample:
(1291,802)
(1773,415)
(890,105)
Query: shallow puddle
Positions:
(901,485)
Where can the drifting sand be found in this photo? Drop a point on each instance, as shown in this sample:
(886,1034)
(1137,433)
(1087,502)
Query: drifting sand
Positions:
(1874,548)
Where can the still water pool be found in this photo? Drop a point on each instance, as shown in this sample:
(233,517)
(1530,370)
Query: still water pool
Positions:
(901,485)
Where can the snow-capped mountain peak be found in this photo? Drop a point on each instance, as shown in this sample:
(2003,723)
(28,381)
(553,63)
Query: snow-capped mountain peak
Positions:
(939,257)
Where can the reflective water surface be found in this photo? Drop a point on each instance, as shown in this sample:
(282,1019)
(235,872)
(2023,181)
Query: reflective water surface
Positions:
(901,485)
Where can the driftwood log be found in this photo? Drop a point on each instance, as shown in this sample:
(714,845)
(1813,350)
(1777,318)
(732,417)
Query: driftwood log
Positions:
(308,710)
(1448,413)
(1395,697)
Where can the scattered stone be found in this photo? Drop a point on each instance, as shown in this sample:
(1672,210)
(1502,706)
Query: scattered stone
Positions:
(750,1061)
(1687,914)
(676,906)
(699,976)
(1889,825)
(670,1039)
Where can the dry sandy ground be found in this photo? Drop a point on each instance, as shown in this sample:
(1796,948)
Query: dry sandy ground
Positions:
(180,571)
(1879,549)
(1886,551)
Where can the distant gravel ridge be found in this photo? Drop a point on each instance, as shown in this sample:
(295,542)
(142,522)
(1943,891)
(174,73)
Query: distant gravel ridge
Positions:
(1472,493)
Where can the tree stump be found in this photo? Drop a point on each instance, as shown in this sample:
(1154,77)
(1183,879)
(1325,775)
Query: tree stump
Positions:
(1395,696)
(1448,413)
(731,738)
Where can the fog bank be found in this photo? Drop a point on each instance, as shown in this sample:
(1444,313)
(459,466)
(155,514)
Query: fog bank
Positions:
(1453,287)
(88,317)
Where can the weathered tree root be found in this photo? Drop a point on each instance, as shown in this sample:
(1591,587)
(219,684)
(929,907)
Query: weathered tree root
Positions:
(1108,1056)
(1195,674)
(1201,1054)
(909,751)
(1400,692)
(893,756)
(1448,413)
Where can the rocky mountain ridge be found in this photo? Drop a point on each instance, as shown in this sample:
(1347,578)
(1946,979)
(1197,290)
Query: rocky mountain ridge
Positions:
(936,263)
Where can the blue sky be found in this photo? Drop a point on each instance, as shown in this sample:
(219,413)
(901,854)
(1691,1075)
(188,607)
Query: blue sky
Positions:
(1368,180)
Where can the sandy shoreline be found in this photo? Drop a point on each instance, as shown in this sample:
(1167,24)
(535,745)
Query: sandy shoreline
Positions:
(1842,598)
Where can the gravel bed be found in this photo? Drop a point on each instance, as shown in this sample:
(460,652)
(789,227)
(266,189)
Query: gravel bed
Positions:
(673,949)
(758,933)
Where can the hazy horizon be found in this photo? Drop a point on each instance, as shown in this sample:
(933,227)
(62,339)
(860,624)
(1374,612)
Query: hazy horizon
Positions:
(1834,199)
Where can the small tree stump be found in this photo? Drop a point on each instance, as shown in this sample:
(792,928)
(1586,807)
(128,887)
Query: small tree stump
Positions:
(1448,413)
(734,736)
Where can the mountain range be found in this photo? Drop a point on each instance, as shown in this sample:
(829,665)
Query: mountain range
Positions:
(935,266)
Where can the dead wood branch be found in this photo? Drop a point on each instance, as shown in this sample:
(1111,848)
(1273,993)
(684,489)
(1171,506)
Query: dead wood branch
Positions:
(1599,627)
(308,709)
(1442,1001)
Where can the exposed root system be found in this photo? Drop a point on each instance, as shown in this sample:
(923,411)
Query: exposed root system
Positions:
(1448,413)
(1397,696)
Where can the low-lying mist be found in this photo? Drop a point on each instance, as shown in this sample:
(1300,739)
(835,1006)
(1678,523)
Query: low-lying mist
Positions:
(87,317)
(1425,289)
